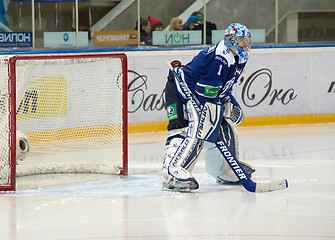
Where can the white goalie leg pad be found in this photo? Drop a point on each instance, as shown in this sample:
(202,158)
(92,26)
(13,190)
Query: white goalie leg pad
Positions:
(179,168)
(174,140)
(220,170)
(210,121)
(217,166)
(177,176)
(180,180)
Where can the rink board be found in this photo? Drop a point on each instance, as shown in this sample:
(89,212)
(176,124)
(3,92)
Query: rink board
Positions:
(278,86)
(247,122)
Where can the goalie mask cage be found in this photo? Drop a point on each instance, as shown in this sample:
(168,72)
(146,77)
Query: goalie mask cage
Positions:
(72,108)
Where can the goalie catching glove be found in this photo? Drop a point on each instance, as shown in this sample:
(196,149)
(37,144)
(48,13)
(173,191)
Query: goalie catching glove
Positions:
(236,114)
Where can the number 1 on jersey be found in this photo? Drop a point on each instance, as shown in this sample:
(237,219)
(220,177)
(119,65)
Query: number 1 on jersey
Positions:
(220,68)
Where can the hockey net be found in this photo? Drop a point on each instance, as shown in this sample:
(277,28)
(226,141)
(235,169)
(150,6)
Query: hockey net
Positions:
(72,108)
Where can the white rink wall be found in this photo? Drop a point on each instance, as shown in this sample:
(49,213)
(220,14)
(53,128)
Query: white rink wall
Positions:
(276,81)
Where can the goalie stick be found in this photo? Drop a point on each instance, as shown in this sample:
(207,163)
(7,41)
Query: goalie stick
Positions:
(247,183)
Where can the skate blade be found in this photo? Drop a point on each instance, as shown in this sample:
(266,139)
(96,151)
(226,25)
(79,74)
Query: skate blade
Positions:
(170,188)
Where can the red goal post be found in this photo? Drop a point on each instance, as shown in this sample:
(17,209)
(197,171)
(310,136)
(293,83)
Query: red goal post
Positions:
(71,109)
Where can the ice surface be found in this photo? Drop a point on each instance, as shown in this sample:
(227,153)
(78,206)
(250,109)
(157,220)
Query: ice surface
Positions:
(134,207)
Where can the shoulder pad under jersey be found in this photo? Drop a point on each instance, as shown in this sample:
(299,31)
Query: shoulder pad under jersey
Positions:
(223,51)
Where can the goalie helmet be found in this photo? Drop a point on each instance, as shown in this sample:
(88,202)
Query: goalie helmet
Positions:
(233,34)
(22,145)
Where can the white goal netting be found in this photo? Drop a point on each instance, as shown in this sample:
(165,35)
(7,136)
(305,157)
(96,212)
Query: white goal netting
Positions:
(72,109)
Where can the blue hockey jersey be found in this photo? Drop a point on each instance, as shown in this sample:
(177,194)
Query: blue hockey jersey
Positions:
(211,74)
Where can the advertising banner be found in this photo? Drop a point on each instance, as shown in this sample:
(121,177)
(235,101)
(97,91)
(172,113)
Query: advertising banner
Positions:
(274,82)
(176,37)
(106,38)
(65,39)
(16,39)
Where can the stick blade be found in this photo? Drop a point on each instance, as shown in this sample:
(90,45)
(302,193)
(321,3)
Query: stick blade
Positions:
(271,186)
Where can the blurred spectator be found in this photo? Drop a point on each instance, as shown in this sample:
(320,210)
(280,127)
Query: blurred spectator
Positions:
(200,26)
(190,23)
(156,24)
(176,24)
(145,29)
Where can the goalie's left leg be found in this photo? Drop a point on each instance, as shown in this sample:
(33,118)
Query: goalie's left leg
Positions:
(216,165)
